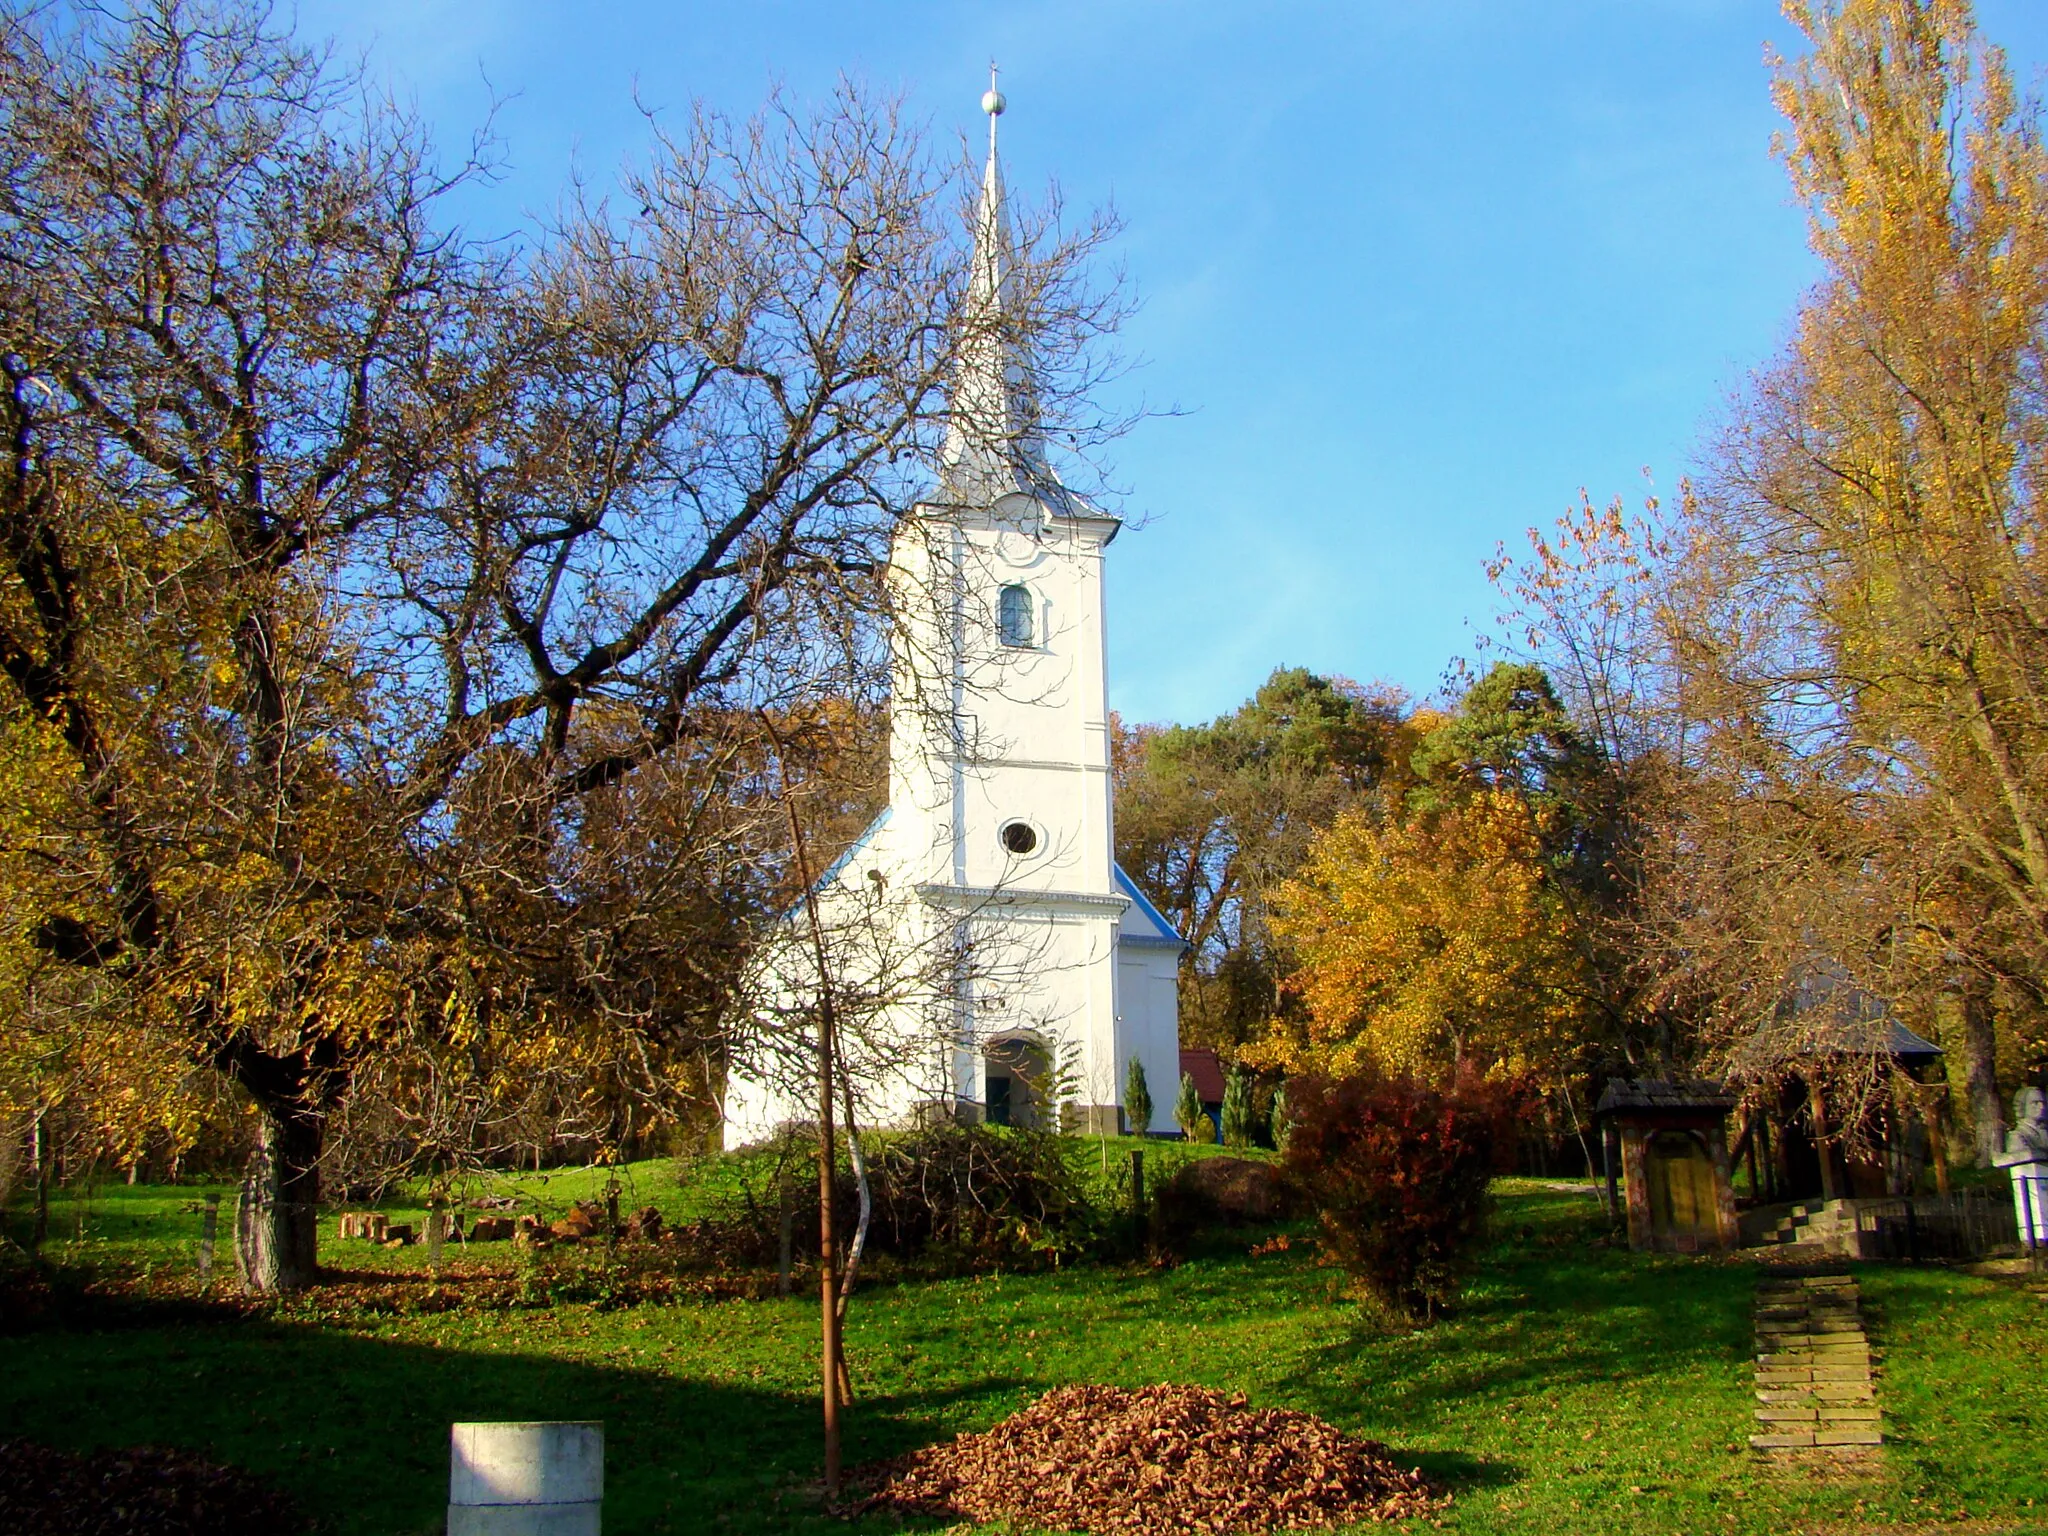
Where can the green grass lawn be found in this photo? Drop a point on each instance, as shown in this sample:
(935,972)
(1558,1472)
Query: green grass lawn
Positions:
(1579,1389)
(157,1227)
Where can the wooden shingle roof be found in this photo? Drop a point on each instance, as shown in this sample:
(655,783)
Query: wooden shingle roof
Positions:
(1626,1095)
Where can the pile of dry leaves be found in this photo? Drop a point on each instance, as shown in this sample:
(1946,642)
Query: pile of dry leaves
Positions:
(145,1492)
(1158,1459)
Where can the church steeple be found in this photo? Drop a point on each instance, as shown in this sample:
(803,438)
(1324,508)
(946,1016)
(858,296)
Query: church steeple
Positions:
(992,446)
(1004,942)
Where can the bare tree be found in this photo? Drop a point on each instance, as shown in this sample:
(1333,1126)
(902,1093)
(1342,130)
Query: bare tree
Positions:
(382,605)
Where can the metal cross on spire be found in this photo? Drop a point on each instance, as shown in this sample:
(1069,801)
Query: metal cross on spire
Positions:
(992,103)
(992,443)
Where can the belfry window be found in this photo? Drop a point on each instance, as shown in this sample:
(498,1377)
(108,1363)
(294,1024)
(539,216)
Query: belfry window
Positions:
(1013,615)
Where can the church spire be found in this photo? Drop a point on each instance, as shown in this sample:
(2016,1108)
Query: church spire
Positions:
(992,443)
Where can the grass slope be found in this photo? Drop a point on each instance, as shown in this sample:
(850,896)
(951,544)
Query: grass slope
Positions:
(1580,1389)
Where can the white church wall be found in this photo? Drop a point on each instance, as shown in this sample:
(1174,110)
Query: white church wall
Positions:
(1147,991)
(893,964)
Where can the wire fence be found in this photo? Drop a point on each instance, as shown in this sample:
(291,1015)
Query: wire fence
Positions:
(1970,1224)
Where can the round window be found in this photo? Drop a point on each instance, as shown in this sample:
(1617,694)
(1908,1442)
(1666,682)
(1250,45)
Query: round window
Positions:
(1019,838)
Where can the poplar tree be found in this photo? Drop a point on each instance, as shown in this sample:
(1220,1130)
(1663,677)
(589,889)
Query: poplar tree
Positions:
(1880,495)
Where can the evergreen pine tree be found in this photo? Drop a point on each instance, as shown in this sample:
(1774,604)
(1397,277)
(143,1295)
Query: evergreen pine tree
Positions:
(1137,1099)
(1188,1113)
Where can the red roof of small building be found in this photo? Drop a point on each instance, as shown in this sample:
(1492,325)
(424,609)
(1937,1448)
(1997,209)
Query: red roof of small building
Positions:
(1203,1066)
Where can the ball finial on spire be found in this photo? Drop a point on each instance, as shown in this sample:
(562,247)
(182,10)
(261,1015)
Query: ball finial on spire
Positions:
(992,99)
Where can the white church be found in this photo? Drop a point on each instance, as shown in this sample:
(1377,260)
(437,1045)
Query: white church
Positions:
(987,957)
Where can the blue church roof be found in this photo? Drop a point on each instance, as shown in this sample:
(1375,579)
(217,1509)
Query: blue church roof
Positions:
(1163,931)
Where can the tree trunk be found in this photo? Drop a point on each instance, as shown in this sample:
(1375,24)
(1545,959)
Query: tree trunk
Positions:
(1979,1042)
(277,1219)
(40,1167)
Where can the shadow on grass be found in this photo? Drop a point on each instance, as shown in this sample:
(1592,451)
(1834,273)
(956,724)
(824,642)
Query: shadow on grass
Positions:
(1539,1317)
(1461,1472)
(356,1427)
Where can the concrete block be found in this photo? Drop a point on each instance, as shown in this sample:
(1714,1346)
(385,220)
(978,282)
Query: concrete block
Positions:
(526,1479)
(524,1520)
(1781,1441)
(1848,1437)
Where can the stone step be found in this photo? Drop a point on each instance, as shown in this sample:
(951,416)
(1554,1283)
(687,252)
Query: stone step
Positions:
(1802,1353)
(1782,1440)
(1813,1361)
(1817,1393)
(1799,1249)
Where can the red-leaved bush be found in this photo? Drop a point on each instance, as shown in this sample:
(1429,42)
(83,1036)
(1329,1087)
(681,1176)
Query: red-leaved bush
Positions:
(1397,1171)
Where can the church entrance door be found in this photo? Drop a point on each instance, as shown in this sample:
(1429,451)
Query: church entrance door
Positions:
(1016,1079)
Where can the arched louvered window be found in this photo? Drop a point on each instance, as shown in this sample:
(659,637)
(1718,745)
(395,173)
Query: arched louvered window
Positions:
(1013,615)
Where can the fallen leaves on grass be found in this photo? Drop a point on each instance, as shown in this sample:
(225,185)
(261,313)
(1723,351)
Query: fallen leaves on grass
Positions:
(1118,1462)
(37,1296)
(148,1491)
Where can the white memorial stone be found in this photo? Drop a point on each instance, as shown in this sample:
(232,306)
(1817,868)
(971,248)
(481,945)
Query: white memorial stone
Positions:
(2025,1158)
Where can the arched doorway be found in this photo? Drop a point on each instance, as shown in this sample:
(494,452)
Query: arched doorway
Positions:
(1680,1175)
(1015,1079)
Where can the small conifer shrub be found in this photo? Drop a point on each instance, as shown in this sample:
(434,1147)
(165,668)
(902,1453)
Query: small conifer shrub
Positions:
(1237,1110)
(1188,1113)
(1283,1120)
(1137,1098)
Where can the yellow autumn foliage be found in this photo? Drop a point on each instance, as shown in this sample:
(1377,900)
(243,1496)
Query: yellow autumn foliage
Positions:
(1428,944)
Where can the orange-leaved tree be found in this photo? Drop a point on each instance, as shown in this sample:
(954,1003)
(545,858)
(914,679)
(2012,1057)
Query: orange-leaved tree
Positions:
(1430,944)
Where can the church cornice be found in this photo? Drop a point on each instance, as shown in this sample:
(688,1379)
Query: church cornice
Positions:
(1012,898)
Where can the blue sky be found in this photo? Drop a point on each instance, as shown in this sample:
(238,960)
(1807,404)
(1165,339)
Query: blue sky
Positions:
(1412,271)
